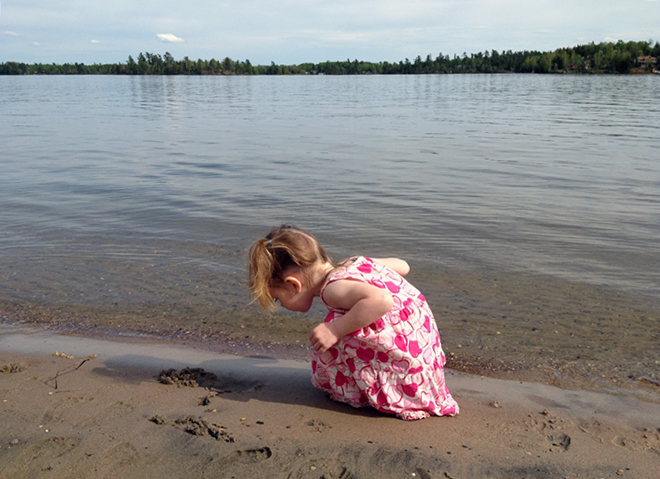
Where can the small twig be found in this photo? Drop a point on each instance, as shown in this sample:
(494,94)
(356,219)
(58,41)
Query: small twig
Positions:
(78,367)
(63,372)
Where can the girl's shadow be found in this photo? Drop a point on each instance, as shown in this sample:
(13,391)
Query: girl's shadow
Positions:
(235,378)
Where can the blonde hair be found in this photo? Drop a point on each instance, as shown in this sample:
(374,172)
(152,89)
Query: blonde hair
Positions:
(271,257)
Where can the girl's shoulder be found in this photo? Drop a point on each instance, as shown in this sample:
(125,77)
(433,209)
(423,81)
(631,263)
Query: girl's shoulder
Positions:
(350,268)
(357,268)
(354,269)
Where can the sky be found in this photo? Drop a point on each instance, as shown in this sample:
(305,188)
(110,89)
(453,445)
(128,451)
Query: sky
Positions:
(296,31)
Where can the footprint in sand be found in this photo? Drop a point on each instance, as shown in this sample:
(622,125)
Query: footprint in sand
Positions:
(318,425)
(343,474)
(40,456)
(535,431)
(248,456)
(559,442)
(632,439)
(54,411)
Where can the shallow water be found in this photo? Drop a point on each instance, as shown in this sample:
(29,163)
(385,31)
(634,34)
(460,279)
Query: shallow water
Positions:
(527,205)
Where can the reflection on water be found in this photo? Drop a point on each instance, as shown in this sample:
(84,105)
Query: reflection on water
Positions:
(136,197)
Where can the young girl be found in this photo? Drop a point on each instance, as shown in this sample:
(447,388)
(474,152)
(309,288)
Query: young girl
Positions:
(379,344)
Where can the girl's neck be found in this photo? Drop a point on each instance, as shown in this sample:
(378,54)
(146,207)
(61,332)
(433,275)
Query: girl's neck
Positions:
(317,275)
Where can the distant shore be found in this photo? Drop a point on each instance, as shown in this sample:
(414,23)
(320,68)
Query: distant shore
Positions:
(602,58)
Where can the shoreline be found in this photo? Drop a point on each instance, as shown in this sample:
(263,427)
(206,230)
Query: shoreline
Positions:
(261,417)
(645,388)
(33,342)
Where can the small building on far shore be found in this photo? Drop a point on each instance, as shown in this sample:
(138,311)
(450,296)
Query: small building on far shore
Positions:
(647,61)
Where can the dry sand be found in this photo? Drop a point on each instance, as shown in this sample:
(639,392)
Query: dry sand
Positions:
(109,416)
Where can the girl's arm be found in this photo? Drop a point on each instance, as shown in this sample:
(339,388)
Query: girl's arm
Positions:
(364,304)
(396,264)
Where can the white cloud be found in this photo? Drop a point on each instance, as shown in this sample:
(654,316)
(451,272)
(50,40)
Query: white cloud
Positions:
(11,34)
(170,38)
(95,42)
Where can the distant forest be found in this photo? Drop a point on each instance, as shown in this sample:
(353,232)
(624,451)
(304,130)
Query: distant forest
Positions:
(606,57)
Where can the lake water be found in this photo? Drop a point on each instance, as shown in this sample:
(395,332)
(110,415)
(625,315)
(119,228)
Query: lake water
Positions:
(527,205)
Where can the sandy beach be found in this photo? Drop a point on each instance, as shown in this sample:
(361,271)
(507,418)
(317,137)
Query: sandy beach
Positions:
(105,411)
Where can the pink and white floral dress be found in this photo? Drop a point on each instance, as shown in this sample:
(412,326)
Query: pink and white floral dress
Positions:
(396,363)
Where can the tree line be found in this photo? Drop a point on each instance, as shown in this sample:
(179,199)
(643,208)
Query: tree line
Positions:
(605,57)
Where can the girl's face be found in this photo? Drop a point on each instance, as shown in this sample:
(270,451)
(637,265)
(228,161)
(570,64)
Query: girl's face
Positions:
(288,299)
(292,295)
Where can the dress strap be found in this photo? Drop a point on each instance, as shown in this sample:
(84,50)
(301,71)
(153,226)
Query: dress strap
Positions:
(343,273)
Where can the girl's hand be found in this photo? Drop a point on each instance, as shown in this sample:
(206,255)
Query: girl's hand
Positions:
(363,303)
(322,338)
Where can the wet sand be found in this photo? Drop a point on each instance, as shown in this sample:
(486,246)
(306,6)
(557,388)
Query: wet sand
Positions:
(494,323)
(109,416)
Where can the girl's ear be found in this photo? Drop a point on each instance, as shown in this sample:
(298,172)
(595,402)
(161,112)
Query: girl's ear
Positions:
(293,282)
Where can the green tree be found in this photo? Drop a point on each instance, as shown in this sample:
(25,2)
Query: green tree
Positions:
(228,66)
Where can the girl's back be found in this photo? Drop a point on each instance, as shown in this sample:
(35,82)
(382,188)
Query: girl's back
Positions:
(394,364)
